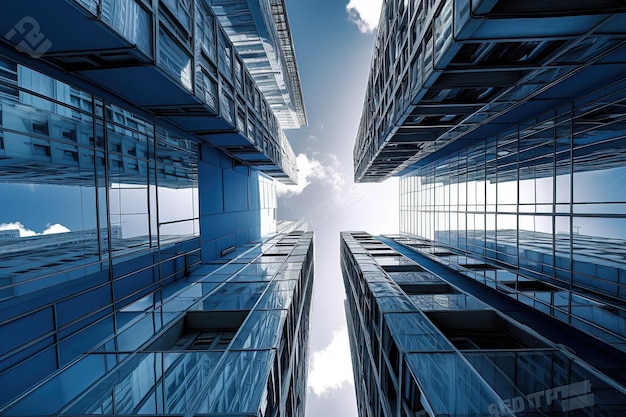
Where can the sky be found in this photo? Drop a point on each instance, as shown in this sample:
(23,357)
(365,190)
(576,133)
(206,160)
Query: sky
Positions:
(333,42)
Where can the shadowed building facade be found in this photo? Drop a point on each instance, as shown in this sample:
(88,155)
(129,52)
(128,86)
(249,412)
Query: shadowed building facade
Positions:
(139,249)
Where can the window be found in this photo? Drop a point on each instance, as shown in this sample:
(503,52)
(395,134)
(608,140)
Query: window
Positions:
(482,329)
(531,285)
(432,287)
(200,330)
(69,135)
(41,128)
(212,340)
(479,267)
(70,155)
(41,150)
(8,78)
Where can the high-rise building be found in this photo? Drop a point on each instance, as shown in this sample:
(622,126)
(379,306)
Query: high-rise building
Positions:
(504,122)
(443,339)
(447,72)
(259,30)
(230,338)
(141,267)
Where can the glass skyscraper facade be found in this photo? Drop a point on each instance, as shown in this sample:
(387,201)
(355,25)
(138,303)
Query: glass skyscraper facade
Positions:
(444,71)
(504,122)
(142,270)
(171,59)
(230,338)
(259,30)
(430,339)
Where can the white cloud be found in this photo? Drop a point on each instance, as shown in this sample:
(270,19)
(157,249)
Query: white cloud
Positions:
(24,232)
(365,13)
(331,367)
(311,169)
(55,228)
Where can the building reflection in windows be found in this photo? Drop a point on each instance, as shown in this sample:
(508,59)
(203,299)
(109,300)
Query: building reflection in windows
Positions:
(89,182)
(546,199)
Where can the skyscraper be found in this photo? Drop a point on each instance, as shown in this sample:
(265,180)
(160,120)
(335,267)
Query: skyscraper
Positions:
(503,121)
(440,339)
(259,30)
(138,241)
(448,72)
(229,338)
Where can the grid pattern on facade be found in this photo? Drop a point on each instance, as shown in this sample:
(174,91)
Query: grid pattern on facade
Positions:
(106,206)
(599,317)
(422,346)
(131,154)
(441,69)
(229,339)
(130,187)
(260,32)
(543,199)
(179,49)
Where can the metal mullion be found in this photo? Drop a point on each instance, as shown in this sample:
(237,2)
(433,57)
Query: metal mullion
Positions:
(108,212)
(571,214)
(517,186)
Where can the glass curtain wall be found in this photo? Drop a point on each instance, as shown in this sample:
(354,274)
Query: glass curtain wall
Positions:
(423,346)
(545,198)
(85,183)
(229,339)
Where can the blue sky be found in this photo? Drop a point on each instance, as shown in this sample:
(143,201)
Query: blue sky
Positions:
(333,49)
